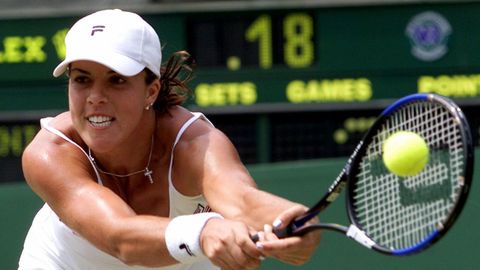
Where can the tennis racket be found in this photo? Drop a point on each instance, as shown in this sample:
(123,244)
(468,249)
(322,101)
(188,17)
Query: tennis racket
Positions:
(395,215)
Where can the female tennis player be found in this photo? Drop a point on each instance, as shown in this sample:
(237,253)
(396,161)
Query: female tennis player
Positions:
(131,179)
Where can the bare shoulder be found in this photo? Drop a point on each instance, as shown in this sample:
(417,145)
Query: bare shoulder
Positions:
(48,155)
(201,135)
(48,143)
(198,133)
(203,150)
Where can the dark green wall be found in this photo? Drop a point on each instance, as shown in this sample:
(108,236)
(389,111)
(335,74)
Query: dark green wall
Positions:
(303,182)
(18,205)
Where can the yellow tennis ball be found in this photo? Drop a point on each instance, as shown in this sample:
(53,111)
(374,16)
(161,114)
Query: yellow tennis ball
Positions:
(405,153)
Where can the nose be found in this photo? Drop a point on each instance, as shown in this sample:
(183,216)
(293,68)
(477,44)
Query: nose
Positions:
(97,94)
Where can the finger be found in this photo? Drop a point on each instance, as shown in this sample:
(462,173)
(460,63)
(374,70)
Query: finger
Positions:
(251,255)
(247,258)
(269,234)
(261,236)
(225,254)
(283,244)
(227,260)
(292,247)
(272,246)
(287,216)
(250,249)
(234,259)
(259,246)
(221,263)
(244,250)
(224,259)
(267,229)
(286,252)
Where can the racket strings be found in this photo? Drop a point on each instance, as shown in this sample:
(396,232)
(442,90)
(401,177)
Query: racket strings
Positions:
(399,213)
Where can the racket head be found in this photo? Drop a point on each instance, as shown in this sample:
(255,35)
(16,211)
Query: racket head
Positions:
(406,215)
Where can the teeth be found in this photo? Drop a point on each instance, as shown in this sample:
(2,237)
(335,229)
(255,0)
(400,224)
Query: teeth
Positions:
(100,121)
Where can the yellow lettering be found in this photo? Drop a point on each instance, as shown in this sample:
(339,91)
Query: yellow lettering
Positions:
(425,84)
(294,91)
(58,41)
(329,90)
(216,95)
(14,139)
(311,92)
(4,141)
(34,52)
(364,89)
(29,131)
(225,94)
(350,124)
(232,93)
(360,124)
(23,49)
(201,95)
(450,85)
(249,93)
(13,50)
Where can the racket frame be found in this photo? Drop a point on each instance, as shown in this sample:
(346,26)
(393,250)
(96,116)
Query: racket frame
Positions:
(342,181)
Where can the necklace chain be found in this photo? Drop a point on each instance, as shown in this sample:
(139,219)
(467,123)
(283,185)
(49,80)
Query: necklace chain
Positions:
(147,172)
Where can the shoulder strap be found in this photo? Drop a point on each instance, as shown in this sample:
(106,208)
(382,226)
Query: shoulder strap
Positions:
(195,116)
(45,123)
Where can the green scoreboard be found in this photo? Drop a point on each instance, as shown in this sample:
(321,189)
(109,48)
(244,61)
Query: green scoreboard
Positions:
(282,82)
(264,56)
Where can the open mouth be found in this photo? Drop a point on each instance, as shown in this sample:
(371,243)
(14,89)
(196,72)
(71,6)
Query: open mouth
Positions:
(100,121)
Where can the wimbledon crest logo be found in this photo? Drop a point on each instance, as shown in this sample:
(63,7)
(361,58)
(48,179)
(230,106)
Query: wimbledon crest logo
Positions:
(428,33)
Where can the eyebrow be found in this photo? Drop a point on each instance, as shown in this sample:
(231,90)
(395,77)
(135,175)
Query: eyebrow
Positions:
(86,72)
(79,70)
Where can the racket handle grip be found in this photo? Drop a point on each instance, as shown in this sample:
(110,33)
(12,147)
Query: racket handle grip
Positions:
(283,232)
(254,237)
(280,233)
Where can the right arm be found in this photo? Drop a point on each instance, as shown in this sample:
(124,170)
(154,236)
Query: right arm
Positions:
(62,176)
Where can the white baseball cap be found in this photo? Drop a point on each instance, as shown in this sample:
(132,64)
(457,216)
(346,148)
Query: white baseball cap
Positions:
(120,40)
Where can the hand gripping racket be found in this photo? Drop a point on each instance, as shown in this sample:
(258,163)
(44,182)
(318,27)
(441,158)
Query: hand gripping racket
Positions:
(395,215)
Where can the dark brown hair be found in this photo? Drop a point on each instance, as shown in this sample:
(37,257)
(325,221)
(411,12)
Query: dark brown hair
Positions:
(175,75)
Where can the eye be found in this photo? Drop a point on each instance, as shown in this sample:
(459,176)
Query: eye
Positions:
(80,79)
(117,79)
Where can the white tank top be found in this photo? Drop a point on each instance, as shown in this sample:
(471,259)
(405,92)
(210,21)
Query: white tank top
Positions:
(51,245)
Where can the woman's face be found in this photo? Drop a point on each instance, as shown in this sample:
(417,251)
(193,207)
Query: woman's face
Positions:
(107,108)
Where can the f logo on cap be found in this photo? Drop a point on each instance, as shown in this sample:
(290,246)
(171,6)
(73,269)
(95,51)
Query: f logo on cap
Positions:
(97,28)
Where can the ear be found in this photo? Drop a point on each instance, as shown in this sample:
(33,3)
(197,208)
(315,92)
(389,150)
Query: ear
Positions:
(152,92)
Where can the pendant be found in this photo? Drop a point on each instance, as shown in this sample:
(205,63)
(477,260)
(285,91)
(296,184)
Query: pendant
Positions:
(148,173)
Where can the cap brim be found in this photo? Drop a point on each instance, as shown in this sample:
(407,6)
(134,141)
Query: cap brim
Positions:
(119,63)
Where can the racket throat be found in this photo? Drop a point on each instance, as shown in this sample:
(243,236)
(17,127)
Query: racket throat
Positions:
(358,235)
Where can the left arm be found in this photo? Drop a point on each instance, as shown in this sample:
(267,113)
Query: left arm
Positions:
(231,191)
(211,163)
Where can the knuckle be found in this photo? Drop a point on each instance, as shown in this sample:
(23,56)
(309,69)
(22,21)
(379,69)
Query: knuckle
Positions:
(242,241)
(216,250)
(254,264)
(243,260)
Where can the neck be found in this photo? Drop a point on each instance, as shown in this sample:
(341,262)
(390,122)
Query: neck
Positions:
(132,157)
(147,172)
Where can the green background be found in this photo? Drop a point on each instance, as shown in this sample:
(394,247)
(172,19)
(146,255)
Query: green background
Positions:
(300,181)
(349,43)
